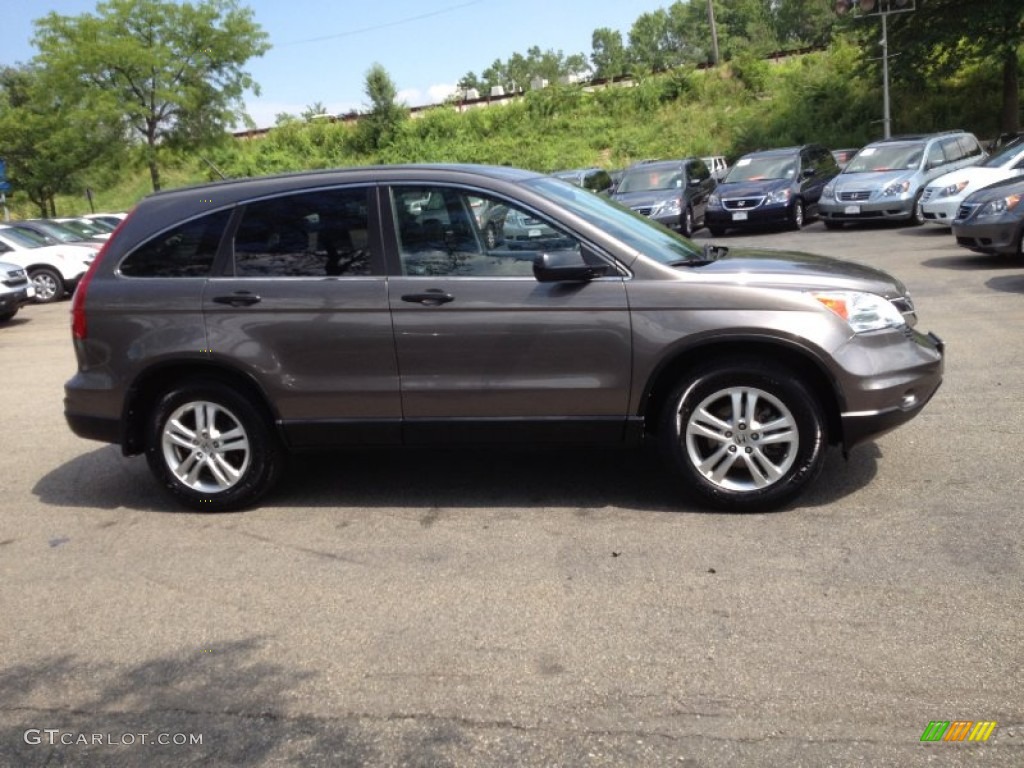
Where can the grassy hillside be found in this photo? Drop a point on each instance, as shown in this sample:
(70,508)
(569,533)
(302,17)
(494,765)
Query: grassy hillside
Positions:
(826,97)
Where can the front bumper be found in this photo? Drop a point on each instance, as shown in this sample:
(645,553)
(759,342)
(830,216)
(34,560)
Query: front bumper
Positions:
(12,300)
(1002,237)
(942,212)
(762,216)
(887,209)
(892,383)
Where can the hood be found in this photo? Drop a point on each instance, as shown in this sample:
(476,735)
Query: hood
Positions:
(871,180)
(975,176)
(751,188)
(1011,186)
(764,266)
(647,197)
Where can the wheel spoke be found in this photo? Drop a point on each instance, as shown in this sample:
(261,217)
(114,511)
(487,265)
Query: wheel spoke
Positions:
(216,464)
(751,407)
(723,469)
(188,470)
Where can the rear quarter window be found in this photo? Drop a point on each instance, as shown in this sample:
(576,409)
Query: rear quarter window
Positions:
(186,250)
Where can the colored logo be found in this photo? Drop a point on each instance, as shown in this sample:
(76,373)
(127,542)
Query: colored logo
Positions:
(958,730)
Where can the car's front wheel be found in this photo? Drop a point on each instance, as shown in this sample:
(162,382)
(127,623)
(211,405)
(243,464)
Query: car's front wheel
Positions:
(744,435)
(211,447)
(48,284)
(796,215)
(687,222)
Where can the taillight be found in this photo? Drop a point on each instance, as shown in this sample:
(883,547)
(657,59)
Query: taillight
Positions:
(78,323)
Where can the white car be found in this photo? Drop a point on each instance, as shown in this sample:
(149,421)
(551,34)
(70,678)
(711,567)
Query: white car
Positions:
(53,269)
(15,290)
(941,198)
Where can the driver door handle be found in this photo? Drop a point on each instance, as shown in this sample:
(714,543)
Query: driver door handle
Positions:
(434,298)
(240,299)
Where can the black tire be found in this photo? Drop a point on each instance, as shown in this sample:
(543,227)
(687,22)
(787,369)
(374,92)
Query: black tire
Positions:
(717,231)
(8,315)
(48,283)
(686,223)
(727,462)
(796,216)
(227,414)
(490,237)
(916,214)
(830,224)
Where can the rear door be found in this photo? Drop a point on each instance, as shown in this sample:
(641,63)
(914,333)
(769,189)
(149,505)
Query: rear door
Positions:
(486,352)
(301,305)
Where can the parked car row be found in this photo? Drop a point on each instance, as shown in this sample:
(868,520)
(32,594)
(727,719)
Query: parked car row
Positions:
(54,254)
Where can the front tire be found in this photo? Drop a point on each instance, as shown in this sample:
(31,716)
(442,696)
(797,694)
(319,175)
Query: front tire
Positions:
(796,216)
(744,435)
(917,214)
(212,448)
(686,226)
(48,283)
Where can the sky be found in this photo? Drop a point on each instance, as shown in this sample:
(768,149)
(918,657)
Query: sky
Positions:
(322,49)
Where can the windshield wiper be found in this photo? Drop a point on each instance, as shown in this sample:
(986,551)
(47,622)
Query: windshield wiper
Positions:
(712,253)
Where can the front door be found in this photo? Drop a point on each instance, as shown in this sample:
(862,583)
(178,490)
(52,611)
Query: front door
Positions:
(485,351)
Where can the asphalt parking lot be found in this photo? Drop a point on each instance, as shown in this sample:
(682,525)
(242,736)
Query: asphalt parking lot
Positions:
(508,608)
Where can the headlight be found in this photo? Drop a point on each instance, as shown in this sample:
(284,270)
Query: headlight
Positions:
(899,188)
(670,207)
(863,311)
(714,201)
(953,189)
(1000,206)
(829,192)
(778,196)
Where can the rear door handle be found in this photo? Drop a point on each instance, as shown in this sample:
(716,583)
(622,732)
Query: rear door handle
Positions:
(432,298)
(240,299)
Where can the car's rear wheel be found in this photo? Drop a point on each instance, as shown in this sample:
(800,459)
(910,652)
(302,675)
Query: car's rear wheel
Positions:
(212,448)
(48,284)
(744,435)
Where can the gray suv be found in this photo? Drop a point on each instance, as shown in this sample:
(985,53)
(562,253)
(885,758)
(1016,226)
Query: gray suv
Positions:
(885,180)
(223,327)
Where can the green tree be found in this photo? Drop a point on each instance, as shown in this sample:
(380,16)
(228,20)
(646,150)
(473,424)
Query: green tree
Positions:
(943,36)
(172,72)
(608,56)
(47,139)
(384,119)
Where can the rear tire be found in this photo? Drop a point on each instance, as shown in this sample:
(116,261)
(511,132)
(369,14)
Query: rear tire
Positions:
(744,435)
(687,223)
(211,448)
(48,283)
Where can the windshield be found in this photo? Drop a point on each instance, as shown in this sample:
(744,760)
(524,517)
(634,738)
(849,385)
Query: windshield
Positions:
(23,237)
(891,157)
(763,168)
(647,179)
(1005,157)
(81,227)
(57,231)
(634,231)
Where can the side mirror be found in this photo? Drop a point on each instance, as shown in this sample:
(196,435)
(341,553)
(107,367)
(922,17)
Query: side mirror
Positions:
(564,267)
(808,172)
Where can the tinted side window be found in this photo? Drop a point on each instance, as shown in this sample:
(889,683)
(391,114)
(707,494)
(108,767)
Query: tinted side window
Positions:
(460,233)
(969,147)
(311,234)
(952,150)
(184,251)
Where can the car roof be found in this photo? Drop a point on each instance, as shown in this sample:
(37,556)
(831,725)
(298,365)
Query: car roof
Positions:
(325,177)
(778,151)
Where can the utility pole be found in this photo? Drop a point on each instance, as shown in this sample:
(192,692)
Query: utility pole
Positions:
(880,8)
(714,33)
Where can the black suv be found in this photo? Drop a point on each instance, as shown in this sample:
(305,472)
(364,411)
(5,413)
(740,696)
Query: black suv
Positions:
(771,188)
(672,192)
(223,327)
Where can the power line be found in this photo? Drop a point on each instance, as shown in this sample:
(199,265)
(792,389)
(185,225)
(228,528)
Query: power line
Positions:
(381,26)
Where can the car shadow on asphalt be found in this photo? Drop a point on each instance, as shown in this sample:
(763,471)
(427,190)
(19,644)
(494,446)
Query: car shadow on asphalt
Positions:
(1007,283)
(429,477)
(972,261)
